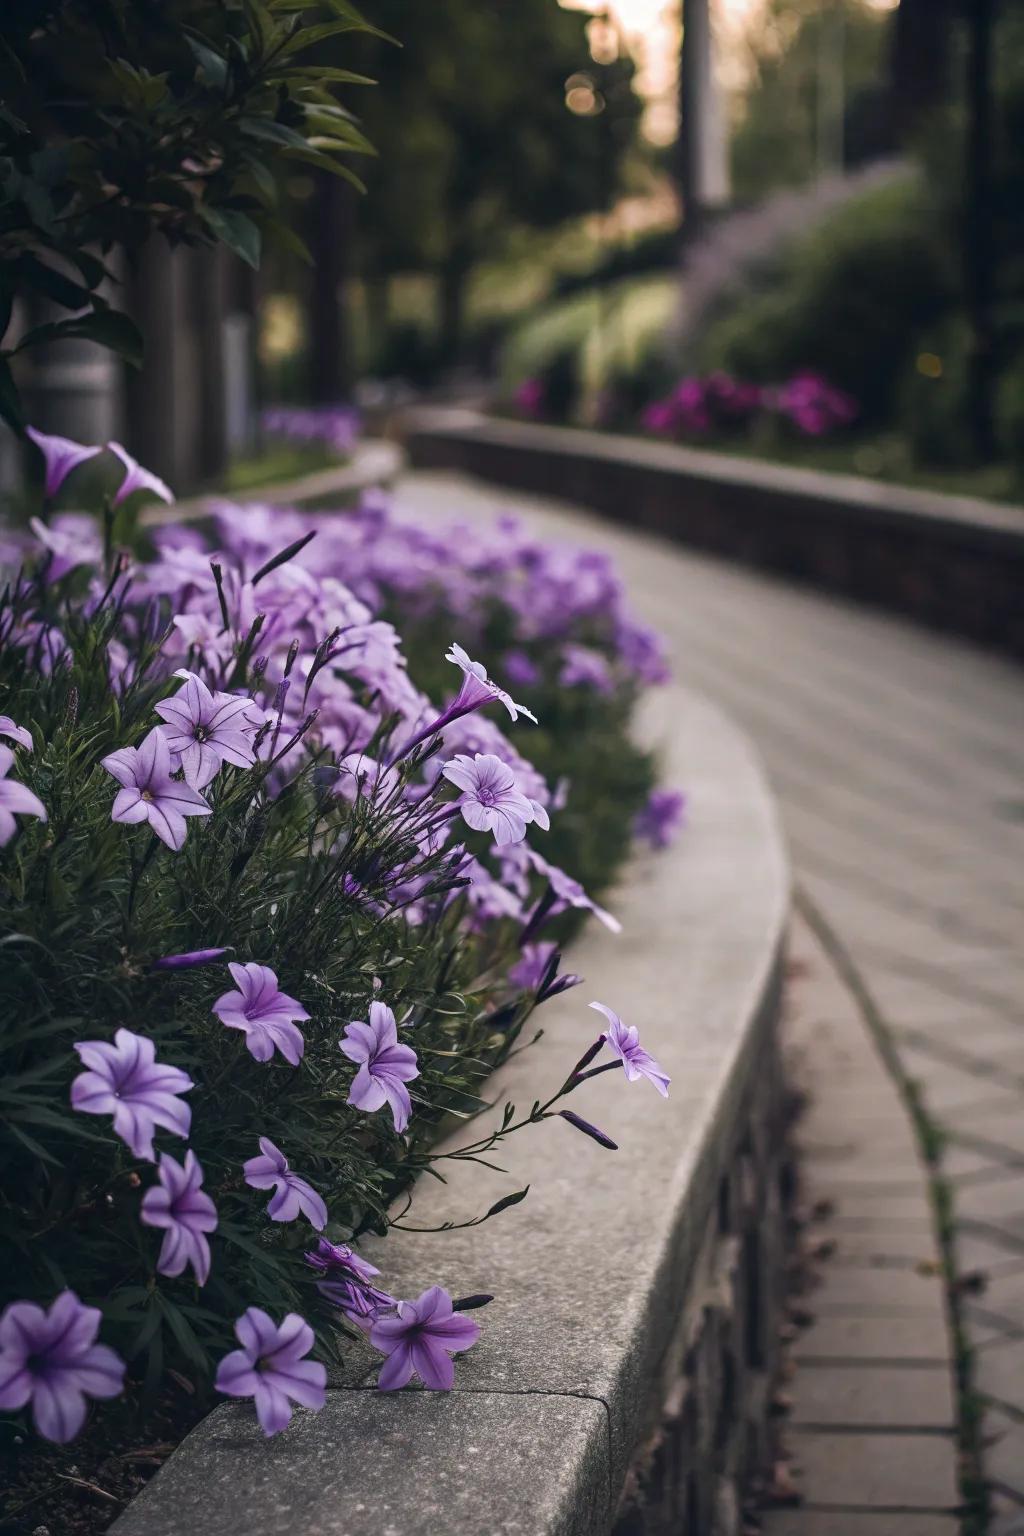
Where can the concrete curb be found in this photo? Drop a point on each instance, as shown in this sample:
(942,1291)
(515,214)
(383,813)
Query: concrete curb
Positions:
(952,562)
(597,1272)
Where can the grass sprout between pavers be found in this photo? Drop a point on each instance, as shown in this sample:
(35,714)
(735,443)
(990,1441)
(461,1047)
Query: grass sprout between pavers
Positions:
(269,918)
(930,1136)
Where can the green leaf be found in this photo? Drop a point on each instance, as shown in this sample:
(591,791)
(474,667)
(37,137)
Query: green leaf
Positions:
(108,327)
(236,230)
(329,72)
(506,1203)
(55,285)
(213,66)
(10,401)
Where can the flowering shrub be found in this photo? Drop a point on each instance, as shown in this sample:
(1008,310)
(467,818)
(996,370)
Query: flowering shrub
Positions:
(267,913)
(719,404)
(336,427)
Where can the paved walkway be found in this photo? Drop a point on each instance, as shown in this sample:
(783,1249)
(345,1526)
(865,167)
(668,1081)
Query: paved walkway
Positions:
(898,758)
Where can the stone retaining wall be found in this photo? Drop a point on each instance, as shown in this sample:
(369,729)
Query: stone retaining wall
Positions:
(949,561)
(621,1380)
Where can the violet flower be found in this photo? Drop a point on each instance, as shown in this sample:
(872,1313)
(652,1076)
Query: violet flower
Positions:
(270,1368)
(125,1080)
(477,689)
(421,1340)
(583,667)
(661,817)
(61,456)
(179,1205)
(536,970)
(264,1013)
(569,891)
(348,1282)
(206,730)
(51,1360)
(188,961)
(148,793)
(292,1195)
(15,733)
(384,1066)
(15,799)
(71,540)
(624,1042)
(137,479)
(490,801)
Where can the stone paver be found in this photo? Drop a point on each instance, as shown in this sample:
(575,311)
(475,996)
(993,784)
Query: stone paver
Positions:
(825,1522)
(851,1472)
(898,759)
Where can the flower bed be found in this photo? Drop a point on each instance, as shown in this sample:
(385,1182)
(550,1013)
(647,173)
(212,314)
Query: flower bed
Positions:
(261,896)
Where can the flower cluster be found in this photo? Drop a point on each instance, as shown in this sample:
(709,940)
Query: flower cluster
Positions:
(251,878)
(719,404)
(337,427)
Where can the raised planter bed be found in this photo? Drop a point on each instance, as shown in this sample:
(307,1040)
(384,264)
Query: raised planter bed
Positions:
(621,1379)
(949,561)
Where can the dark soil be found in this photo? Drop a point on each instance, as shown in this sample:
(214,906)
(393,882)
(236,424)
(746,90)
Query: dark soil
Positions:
(81,1488)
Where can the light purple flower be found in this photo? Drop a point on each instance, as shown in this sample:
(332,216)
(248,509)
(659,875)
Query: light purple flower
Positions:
(588,1129)
(536,970)
(15,733)
(491,802)
(270,1368)
(179,1205)
(569,891)
(62,455)
(292,1195)
(125,1080)
(71,539)
(661,817)
(148,793)
(624,1042)
(583,667)
(188,961)
(421,1340)
(264,1013)
(384,1066)
(205,730)
(15,799)
(51,1360)
(348,1282)
(137,479)
(477,688)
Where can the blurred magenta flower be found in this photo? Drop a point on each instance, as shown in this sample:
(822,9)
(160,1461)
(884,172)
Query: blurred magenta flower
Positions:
(61,455)
(148,793)
(266,1015)
(661,818)
(292,1195)
(421,1340)
(51,1360)
(15,733)
(528,398)
(181,1208)
(384,1066)
(125,1080)
(270,1368)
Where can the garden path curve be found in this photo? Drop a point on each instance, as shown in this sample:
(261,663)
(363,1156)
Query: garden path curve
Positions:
(898,759)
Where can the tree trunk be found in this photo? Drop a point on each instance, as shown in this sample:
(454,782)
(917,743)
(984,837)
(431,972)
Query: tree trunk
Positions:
(979,252)
(330,343)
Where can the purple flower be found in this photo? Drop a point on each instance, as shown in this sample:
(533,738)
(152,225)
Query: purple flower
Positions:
(270,1368)
(188,961)
(15,799)
(536,971)
(348,1282)
(384,1066)
(178,1204)
(61,456)
(265,1014)
(583,667)
(477,688)
(15,733)
(624,1043)
(421,1341)
(125,1080)
(206,730)
(292,1194)
(148,793)
(71,540)
(490,800)
(51,1360)
(589,1130)
(661,818)
(137,479)
(568,890)
(521,669)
